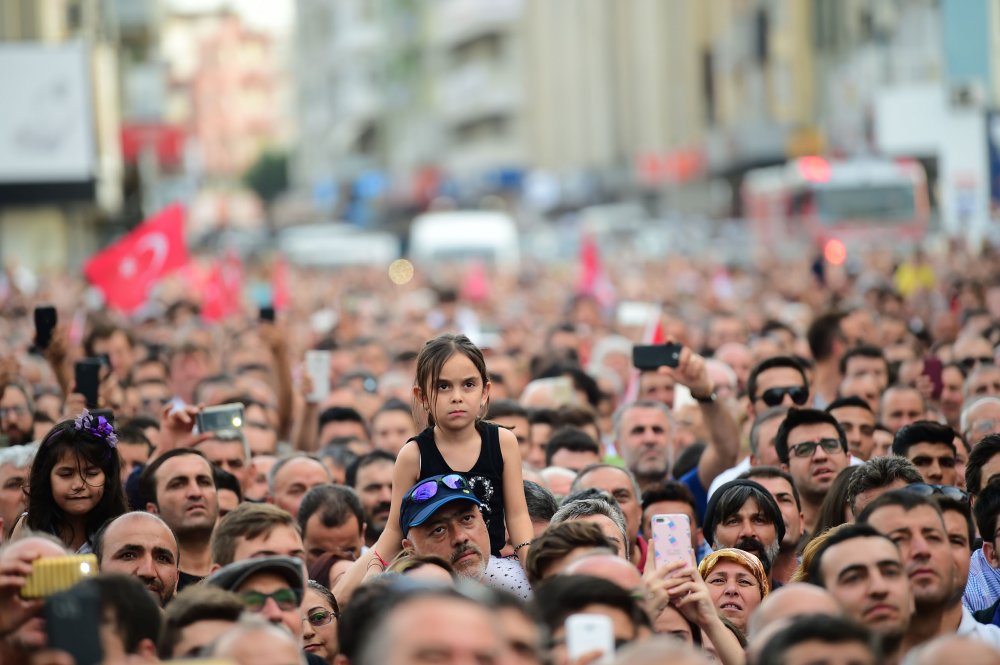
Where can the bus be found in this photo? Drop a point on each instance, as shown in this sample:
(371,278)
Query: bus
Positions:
(867,201)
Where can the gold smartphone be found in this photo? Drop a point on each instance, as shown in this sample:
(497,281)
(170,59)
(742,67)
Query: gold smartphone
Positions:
(51,575)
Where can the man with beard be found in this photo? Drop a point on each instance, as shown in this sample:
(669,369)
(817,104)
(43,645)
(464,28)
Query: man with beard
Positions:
(439,520)
(782,488)
(915,523)
(812,447)
(142,545)
(863,569)
(180,488)
(371,478)
(644,433)
(16,414)
(743,514)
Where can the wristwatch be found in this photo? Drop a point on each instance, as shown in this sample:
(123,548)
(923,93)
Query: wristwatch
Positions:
(710,398)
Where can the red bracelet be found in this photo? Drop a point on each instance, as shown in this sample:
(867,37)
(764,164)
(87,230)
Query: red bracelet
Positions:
(385,564)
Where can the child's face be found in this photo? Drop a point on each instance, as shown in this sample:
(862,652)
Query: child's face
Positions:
(459,395)
(77,485)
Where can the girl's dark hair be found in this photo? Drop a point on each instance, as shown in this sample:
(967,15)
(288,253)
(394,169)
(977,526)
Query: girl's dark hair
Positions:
(432,358)
(43,512)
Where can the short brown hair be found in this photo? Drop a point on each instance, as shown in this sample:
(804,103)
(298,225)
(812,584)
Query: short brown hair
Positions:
(249,521)
(196,603)
(557,541)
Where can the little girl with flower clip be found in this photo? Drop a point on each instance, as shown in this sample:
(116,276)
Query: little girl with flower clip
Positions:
(74,484)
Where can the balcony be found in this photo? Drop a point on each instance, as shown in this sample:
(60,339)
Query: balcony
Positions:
(457,21)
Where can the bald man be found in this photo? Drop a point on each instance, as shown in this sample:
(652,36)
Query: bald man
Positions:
(612,568)
(143,546)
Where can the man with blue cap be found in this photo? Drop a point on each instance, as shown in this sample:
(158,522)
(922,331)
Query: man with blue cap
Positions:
(440,515)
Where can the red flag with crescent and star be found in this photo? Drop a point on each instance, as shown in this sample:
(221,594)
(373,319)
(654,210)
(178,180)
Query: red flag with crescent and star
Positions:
(127,270)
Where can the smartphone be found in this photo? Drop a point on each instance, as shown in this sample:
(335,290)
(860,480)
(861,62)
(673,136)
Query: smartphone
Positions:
(266,313)
(590,632)
(87,375)
(318,369)
(50,575)
(45,323)
(671,538)
(222,418)
(73,624)
(647,357)
(932,369)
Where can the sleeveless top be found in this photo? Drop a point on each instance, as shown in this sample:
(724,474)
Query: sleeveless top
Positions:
(485,477)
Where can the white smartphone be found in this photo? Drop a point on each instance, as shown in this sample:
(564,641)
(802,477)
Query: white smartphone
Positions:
(318,369)
(590,632)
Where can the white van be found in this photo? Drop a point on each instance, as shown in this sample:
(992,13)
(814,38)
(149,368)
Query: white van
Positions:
(465,235)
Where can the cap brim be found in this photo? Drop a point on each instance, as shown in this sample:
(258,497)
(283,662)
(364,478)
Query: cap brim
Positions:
(233,579)
(432,506)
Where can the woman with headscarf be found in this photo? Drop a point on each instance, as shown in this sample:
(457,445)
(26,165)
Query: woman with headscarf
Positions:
(736,583)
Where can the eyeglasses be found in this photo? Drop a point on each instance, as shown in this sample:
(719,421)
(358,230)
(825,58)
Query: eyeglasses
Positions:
(978,427)
(285,599)
(925,489)
(13,411)
(808,448)
(775,396)
(969,363)
(426,491)
(320,617)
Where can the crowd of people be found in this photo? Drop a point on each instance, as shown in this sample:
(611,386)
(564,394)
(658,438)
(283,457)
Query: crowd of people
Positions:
(813,478)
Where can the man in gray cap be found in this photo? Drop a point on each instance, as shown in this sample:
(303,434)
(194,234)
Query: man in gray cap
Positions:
(271,586)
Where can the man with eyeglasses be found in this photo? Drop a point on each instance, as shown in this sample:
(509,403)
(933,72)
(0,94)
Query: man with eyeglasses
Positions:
(812,447)
(972,350)
(931,448)
(980,418)
(987,512)
(982,470)
(272,587)
(16,414)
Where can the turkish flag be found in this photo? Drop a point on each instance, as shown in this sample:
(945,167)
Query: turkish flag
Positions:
(127,270)
(592,279)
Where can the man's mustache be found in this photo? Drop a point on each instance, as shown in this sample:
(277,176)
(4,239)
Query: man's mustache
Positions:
(462,550)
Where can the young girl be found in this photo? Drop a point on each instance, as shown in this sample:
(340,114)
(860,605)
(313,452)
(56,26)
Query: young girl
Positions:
(74,483)
(452,388)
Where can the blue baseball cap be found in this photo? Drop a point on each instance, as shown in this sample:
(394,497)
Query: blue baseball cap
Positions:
(423,499)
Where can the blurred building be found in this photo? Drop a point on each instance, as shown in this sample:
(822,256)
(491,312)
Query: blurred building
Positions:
(61,168)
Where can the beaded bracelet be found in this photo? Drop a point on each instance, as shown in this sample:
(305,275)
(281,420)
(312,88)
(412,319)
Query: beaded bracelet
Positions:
(518,547)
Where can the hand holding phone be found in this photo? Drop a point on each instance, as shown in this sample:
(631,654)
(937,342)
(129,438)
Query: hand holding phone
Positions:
(50,575)
(222,418)
(650,357)
(318,369)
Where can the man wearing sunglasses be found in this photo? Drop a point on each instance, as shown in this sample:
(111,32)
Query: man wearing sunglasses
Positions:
(931,448)
(441,515)
(271,586)
(777,381)
(983,379)
(812,447)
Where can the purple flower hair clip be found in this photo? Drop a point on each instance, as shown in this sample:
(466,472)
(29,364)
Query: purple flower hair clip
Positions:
(98,427)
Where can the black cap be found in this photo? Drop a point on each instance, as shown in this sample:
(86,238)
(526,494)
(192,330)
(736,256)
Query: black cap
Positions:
(769,506)
(235,574)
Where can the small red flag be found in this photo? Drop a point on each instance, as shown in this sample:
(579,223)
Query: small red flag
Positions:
(223,289)
(127,270)
(280,295)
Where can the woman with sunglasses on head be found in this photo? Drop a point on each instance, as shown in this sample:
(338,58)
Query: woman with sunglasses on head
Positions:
(319,622)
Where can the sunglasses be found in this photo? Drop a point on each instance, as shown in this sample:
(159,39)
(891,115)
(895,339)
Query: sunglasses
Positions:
(320,617)
(808,448)
(285,599)
(427,490)
(969,363)
(775,396)
(925,489)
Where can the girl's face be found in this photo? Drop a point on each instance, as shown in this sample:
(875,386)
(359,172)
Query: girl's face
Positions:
(735,592)
(77,485)
(319,635)
(460,394)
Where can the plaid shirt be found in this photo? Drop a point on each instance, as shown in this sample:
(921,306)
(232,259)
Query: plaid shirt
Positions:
(983,587)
